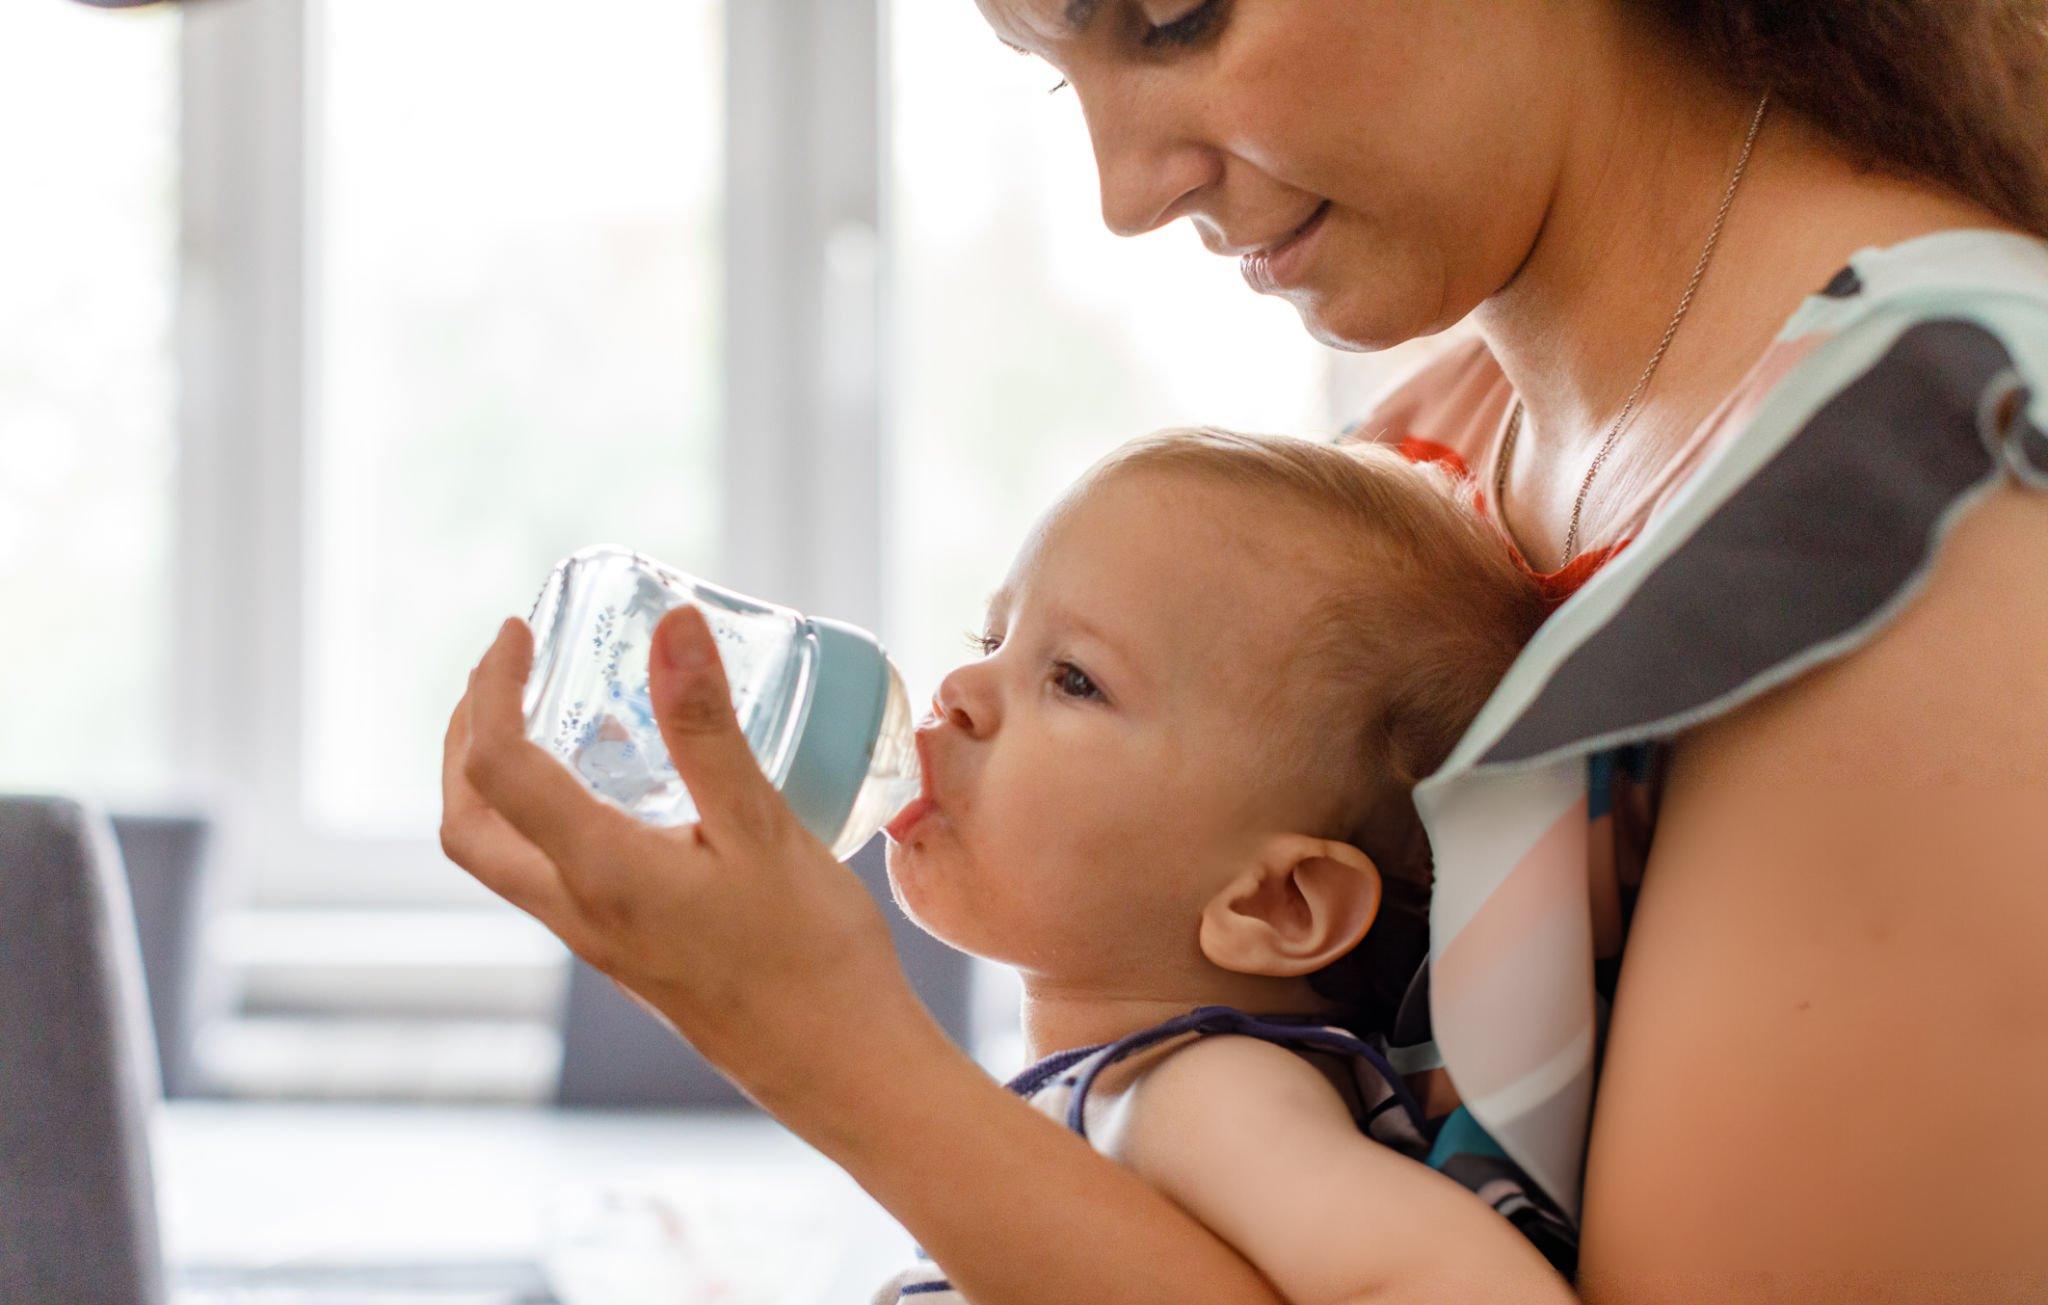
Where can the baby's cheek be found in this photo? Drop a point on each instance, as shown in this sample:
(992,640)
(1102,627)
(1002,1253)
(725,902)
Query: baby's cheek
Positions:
(967,900)
(926,893)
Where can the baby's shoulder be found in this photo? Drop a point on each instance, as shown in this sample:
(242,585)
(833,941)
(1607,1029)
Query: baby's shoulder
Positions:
(1220,1083)
(1256,1142)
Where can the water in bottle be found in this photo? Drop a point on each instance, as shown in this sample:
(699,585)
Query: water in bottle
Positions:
(822,707)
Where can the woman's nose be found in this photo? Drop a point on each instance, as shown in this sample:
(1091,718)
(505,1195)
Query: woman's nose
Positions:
(1149,163)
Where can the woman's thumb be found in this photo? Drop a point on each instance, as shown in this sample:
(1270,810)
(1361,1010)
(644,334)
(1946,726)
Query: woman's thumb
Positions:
(693,706)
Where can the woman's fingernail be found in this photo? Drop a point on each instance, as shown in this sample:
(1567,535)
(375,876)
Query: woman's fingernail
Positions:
(682,649)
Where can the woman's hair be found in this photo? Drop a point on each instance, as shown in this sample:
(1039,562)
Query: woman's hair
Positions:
(1950,91)
(1422,612)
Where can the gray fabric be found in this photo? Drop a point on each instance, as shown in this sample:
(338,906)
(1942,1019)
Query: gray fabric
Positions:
(2027,447)
(616,1054)
(77,1067)
(1824,535)
(165,857)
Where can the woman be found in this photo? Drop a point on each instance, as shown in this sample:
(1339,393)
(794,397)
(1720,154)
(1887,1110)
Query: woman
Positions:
(1829,1034)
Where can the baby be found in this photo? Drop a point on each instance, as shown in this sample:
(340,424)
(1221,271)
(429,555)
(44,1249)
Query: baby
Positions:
(1175,794)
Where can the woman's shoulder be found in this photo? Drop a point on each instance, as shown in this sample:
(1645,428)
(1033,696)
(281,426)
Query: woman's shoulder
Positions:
(1993,280)
(1919,395)
(1914,386)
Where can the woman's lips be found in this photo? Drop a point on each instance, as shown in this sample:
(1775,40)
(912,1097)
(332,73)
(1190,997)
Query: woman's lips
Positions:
(1281,266)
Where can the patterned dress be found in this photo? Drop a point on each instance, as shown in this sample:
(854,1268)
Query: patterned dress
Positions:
(1797,522)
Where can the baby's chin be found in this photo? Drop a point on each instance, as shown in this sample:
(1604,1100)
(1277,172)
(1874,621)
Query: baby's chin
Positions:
(913,887)
(928,889)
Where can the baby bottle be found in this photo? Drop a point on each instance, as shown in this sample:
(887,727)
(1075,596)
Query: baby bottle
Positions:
(822,707)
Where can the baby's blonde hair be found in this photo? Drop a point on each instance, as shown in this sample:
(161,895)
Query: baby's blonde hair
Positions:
(1424,611)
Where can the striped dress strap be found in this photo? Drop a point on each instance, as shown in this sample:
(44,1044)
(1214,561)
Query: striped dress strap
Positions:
(1405,1132)
(1796,543)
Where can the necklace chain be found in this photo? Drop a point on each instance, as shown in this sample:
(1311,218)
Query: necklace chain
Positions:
(1507,447)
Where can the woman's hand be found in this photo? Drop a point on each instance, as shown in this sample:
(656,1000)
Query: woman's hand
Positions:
(741,930)
(772,959)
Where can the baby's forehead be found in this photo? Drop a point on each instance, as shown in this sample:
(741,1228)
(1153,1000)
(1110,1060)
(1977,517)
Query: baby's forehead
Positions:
(1209,582)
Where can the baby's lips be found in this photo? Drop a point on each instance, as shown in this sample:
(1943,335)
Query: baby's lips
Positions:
(922,741)
(909,819)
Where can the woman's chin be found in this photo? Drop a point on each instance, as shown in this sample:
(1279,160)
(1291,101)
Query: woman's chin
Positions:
(1335,320)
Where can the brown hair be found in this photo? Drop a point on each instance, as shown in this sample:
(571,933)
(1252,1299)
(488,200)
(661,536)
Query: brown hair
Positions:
(1949,91)
(1424,613)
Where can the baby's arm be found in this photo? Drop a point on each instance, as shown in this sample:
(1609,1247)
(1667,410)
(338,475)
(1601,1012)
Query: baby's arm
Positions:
(1254,1142)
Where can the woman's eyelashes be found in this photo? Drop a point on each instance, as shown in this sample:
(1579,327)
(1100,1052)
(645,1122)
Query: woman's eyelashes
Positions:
(1191,28)
(1070,680)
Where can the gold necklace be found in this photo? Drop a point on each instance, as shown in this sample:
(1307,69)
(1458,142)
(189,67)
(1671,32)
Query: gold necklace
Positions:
(1507,443)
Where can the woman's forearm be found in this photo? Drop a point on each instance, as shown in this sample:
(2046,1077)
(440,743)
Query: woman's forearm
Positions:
(755,944)
(1014,1208)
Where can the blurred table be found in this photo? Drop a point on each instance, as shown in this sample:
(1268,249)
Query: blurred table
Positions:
(433,1205)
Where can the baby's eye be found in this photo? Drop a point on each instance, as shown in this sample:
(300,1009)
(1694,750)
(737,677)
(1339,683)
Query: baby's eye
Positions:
(1074,682)
(985,644)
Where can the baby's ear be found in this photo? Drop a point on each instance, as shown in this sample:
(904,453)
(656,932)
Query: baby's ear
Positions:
(1301,905)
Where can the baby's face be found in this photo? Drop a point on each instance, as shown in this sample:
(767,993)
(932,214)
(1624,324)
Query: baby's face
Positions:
(1096,775)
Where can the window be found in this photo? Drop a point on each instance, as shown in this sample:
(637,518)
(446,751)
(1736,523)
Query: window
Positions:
(88,240)
(460,287)
(516,323)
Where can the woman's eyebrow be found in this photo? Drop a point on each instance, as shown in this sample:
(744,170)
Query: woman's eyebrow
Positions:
(1078,15)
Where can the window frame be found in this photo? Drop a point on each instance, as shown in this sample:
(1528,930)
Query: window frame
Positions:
(801,437)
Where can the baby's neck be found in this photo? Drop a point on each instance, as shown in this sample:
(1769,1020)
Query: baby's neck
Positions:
(1060,1017)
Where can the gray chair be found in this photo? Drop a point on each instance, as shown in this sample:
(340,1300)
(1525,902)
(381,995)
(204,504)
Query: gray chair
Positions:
(78,1071)
(165,855)
(616,1054)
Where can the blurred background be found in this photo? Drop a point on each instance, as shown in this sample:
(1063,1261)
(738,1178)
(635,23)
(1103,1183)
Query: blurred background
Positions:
(326,327)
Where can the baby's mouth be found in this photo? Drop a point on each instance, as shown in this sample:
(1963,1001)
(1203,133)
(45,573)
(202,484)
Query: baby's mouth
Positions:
(926,801)
(908,819)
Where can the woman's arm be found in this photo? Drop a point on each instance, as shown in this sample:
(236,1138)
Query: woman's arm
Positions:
(746,935)
(1829,1050)
(1015,1208)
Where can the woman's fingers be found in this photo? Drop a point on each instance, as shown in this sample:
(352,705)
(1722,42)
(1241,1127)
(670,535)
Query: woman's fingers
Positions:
(532,792)
(693,707)
(481,841)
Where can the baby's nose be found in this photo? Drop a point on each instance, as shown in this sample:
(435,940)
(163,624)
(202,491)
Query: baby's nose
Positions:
(965,699)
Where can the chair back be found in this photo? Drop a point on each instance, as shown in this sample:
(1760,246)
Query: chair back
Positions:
(78,1070)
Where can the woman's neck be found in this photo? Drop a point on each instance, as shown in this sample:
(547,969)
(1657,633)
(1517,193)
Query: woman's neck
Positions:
(1631,212)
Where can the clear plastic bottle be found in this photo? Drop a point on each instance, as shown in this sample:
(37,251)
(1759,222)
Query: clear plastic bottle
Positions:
(823,708)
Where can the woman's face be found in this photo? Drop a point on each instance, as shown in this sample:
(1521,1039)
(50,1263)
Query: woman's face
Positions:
(1384,165)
